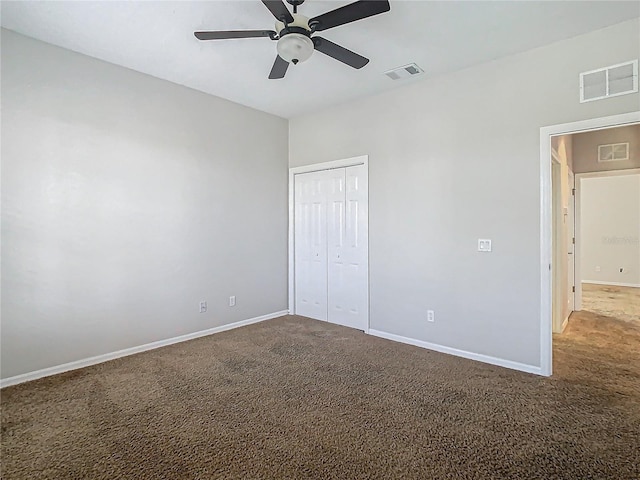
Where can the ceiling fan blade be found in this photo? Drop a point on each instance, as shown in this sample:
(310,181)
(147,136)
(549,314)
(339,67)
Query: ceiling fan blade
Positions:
(279,10)
(279,68)
(339,53)
(349,13)
(234,34)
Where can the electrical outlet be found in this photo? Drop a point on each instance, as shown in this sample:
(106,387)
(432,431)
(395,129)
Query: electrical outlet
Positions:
(431,316)
(203,306)
(598,268)
(232,301)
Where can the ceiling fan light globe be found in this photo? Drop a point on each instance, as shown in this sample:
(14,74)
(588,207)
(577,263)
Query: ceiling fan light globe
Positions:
(295,48)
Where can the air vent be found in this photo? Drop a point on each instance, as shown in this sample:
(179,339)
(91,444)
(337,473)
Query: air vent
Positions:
(613,152)
(612,81)
(404,71)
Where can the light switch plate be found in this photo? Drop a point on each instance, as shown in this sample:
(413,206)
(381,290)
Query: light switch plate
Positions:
(484,245)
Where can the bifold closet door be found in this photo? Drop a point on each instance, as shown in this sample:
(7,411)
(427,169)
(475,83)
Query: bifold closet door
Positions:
(310,244)
(347,247)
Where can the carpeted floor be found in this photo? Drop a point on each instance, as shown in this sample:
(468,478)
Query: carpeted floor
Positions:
(293,398)
(622,303)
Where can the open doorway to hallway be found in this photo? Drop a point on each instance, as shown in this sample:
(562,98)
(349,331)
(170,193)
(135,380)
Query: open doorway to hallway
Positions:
(554,226)
(609,241)
(595,180)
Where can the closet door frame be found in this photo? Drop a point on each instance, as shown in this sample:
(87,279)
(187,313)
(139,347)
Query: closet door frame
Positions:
(316,167)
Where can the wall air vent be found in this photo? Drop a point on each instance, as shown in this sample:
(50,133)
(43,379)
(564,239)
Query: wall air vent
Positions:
(606,82)
(613,152)
(404,71)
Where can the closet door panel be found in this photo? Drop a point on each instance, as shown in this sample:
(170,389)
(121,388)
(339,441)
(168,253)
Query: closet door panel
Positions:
(310,244)
(348,275)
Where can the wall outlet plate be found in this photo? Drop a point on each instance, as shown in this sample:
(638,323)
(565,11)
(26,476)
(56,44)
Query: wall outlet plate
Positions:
(484,245)
(431,316)
(203,306)
(232,301)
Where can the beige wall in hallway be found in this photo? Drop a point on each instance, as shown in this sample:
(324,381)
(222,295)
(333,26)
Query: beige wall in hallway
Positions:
(586,149)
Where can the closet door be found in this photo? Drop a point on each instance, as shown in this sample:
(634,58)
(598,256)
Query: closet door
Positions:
(347,233)
(310,244)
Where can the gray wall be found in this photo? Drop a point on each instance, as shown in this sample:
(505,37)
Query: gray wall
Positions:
(585,149)
(125,201)
(457,158)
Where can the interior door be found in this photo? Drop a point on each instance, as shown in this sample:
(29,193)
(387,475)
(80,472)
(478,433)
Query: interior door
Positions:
(347,241)
(310,248)
(571,235)
(557,300)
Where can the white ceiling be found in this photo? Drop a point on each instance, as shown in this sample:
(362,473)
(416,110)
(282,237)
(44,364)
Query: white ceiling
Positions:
(156,37)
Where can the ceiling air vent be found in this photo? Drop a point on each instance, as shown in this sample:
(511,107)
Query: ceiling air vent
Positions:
(613,152)
(612,81)
(404,71)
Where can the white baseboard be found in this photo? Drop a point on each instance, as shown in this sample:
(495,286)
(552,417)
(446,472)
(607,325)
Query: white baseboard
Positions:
(613,284)
(564,324)
(45,372)
(459,353)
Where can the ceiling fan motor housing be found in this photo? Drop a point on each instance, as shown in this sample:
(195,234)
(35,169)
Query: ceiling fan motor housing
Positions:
(295,44)
(298,21)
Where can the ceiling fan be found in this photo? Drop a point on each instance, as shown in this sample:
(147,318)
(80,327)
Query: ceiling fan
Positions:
(294,33)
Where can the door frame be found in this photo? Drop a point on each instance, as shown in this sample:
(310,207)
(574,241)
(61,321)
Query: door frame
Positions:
(578,179)
(571,273)
(546,133)
(317,167)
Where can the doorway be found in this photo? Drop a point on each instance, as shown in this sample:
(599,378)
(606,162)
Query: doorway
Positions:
(328,242)
(608,257)
(551,247)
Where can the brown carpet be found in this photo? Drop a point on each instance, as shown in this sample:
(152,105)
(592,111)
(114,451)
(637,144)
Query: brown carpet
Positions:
(293,398)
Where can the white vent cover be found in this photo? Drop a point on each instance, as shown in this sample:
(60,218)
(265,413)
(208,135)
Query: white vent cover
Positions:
(606,82)
(404,71)
(613,152)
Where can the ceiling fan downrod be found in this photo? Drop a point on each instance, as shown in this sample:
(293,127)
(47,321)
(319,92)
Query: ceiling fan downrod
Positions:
(295,4)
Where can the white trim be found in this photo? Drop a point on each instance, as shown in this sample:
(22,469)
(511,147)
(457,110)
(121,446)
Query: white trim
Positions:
(86,362)
(609,173)
(545,217)
(315,167)
(564,324)
(523,367)
(577,248)
(612,284)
